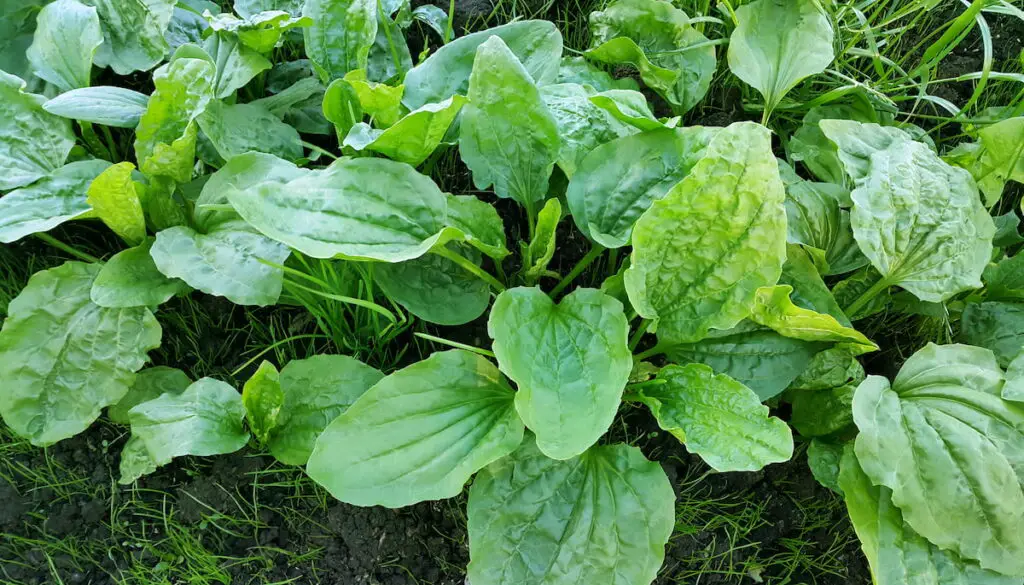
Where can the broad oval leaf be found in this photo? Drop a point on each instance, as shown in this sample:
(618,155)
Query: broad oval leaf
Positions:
(754,356)
(717,418)
(149,383)
(951,450)
(571,361)
(237,129)
(341,35)
(49,202)
(133,33)
(537,44)
(110,106)
(480,224)
(1014,388)
(413,138)
(241,172)
(67,35)
(701,252)
(618,181)
(227,262)
(509,138)
(205,419)
(673,57)
(115,200)
(365,207)
(419,434)
(35,142)
(603,517)
(165,141)
(316,391)
(582,125)
(777,44)
(131,279)
(919,220)
(63,359)
(994,325)
(434,289)
(897,554)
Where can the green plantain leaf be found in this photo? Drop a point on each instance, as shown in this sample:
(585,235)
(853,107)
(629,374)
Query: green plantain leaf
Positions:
(17,25)
(205,419)
(951,450)
(777,44)
(133,33)
(603,517)
(509,138)
(260,32)
(237,64)
(701,252)
(816,219)
(754,356)
(237,129)
(247,8)
(316,391)
(63,359)
(1014,388)
(49,202)
(434,289)
(918,219)
(579,70)
(263,398)
(774,309)
(994,325)
(818,413)
(366,208)
(341,107)
(810,146)
(823,458)
(380,101)
(131,279)
(413,138)
(717,418)
(537,44)
(898,555)
(479,223)
(418,434)
(674,58)
(341,35)
(67,35)
(628,106)
(165,140)
(227,261)
(35,142)
(542,247)
(582,125)
(618,181)
(111,106)
(149,383)
(114,199)
(570,360)
(242,173)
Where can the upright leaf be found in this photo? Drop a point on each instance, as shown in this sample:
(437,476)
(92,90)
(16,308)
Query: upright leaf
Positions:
(263,399)
(542,247)
(508,139)
(718,418)
(603,517)
(67,35)
(418,434)
(414,137)
(341,107)
(537,44)
(63,359)
(777,44)
(133,33)
(479,223)
(48,202)
(673,57)
(113,198)
(237,64)
(618,181)
(898,555)
(35,142)
(366,207)
(570,360)
(951,450)
(919,220)
(316,391)
(165,140)
(816,219)
(341,35)
(701,252)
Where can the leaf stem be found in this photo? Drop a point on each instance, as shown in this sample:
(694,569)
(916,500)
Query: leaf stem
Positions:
(656,350)
(639,334)
(455,344)
(469,266)
(316,148)
(595,251)
(66,248)
(865,298)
